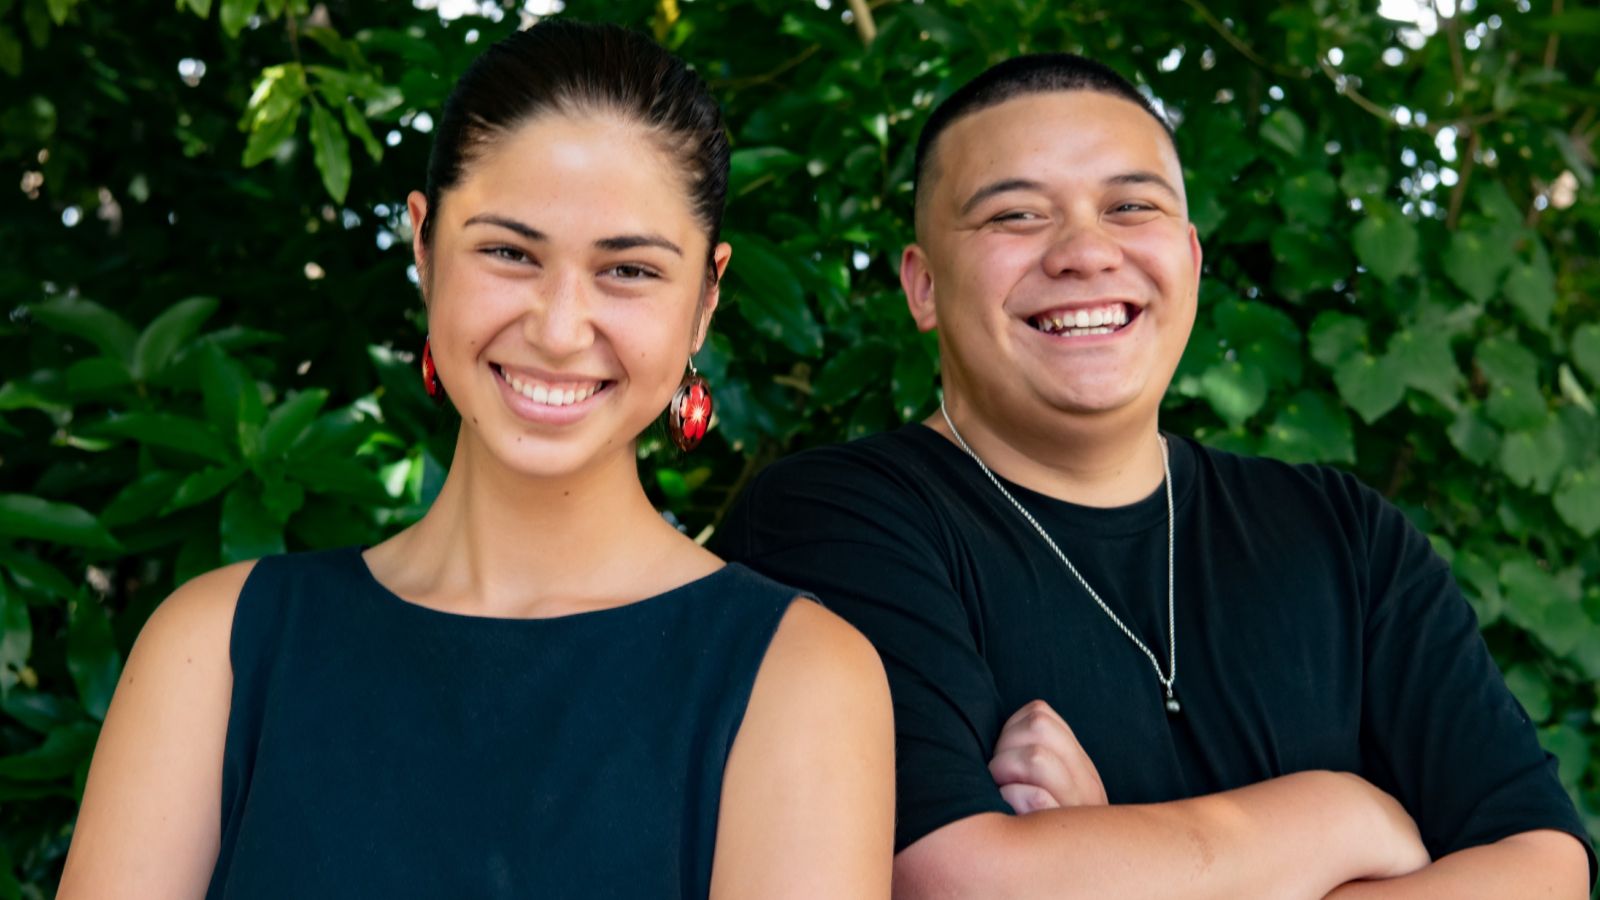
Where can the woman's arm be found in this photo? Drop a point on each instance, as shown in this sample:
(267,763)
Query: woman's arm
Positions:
(150,821)
(808,795)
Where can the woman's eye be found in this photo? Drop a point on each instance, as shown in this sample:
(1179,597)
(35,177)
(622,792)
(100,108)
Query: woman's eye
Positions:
(509,254)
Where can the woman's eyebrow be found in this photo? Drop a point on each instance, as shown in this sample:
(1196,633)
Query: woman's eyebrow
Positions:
(527,231)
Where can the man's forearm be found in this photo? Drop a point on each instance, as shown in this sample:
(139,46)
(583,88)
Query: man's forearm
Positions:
(1297,836)
(1533,864)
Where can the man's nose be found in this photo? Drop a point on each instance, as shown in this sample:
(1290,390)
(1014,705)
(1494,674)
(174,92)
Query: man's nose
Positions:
(1082,248)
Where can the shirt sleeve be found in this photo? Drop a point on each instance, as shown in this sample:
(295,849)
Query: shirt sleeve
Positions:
(1440,729)
(867,547)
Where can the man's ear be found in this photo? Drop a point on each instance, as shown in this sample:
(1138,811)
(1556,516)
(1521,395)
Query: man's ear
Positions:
(713,295)
(916,279)
(417,207)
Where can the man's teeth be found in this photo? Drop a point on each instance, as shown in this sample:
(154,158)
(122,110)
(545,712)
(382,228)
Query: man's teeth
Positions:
(1074,323)
(563,394)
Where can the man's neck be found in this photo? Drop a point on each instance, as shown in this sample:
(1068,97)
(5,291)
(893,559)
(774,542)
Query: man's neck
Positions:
(1100,462)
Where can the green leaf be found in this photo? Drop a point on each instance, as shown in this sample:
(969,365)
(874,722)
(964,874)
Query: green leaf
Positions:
(1586,350)
(1531,288)
(232,398)
(236,14)
(1476,439)
(201,8)
(1365,178)
(912,382)
(1532,459)
(1284,130)
(202,486)
(249,529)
(62,752)
(1424,360)
(1371,385)
(355,122)
(1386,243)
(1516,404)
(90,378)
(16,636)
(753,166)
(1476,260)
(168,333)
(1335,337)
(771,298)
(90,321)
(1504,361)
(1578,22)
(1308,260)
(331,149)
(34,574)
(269,134)
(1577,500)
(289,421)
(1541,603)
(1308,197)
(1573,390)
(1532,690)
(1262,336)
(1311,427)
(1236,390)
(850,371)
(167,430)
(92,656)
(10,52)
(59,10)
(34,518)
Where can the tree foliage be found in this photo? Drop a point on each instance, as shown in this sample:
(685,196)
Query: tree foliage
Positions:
(210,346)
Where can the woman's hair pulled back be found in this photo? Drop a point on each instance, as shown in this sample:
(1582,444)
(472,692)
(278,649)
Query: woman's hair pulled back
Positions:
(581,68)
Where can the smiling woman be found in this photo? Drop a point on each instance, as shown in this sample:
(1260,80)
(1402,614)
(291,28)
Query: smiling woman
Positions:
(541,688)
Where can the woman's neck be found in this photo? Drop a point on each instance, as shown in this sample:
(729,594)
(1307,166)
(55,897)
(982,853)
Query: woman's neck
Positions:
(499,543)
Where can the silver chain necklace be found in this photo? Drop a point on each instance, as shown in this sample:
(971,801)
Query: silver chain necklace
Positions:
(1167,680)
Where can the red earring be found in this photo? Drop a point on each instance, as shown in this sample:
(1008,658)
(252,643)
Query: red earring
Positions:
(690,413)
(430,374)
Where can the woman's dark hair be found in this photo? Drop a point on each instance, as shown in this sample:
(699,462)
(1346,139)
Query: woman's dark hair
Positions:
(579,67)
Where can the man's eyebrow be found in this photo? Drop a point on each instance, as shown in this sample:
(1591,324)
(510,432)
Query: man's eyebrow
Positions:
(1143,177)
(527,231)
(1002,186)
(630,241)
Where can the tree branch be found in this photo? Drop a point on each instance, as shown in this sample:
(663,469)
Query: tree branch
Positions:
(866,25)
(1244,49)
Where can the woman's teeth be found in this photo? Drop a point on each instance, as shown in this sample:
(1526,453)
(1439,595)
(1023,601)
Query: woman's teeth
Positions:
(559,394)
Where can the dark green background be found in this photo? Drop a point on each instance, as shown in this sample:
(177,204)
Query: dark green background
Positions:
(209,347)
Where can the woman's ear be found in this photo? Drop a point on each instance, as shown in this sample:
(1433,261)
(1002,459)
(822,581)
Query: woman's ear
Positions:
(713,293)
(417,207)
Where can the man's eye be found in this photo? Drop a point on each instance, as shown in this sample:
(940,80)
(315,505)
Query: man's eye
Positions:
(1015,216)
(628,272)
(1133,207)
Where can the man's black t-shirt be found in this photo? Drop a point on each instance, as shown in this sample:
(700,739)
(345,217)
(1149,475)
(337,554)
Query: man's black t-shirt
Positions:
(1316,629)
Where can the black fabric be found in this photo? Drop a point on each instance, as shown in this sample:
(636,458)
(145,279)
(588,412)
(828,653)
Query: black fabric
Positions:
(1317,629)
(377,748)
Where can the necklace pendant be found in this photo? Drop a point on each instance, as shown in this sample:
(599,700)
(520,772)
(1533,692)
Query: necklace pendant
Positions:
(1173,706)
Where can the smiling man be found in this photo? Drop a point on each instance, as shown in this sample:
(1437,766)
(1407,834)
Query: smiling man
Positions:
(1124,664)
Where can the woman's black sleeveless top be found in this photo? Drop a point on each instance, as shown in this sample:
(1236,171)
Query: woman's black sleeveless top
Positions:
(377,748)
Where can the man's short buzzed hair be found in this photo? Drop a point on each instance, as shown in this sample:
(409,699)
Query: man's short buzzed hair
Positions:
(1036,73)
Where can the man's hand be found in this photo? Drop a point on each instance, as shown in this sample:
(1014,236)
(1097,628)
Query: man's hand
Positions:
(1039,764)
